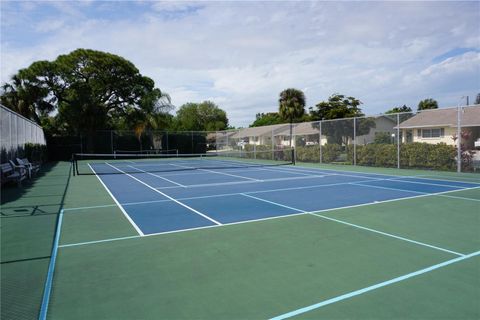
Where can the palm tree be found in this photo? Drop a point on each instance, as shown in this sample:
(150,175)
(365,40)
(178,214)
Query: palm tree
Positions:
(291,106)
(148,116)
(25,99)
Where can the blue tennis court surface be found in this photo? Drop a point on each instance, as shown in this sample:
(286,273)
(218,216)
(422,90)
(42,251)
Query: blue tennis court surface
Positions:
(159,202)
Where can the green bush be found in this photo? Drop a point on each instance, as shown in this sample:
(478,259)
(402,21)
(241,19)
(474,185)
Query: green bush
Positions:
(331,152)
(308,154)
(412,155)
(430,156)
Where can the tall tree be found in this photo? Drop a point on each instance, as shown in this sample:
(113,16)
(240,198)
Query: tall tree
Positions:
(266,119)
(336,107)
(204,116)
(427,104)
(291,106)
(405,113)
(339,106)
(90,88)
(26,100)
(401,109)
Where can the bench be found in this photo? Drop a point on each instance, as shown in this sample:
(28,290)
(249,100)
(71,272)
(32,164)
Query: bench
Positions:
(10,172)
(31,168)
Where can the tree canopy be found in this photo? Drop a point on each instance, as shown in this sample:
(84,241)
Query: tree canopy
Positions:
(339,106)
(427,104)
(266,119)
(401,109)
(204,116)
(291,104)
(90,90)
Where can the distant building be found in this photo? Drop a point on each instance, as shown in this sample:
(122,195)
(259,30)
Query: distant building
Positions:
(440,125)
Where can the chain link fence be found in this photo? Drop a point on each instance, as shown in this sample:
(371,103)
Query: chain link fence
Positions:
(417,140)
(20,137)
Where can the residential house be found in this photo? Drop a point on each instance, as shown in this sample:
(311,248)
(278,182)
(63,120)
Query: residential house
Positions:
(440,125)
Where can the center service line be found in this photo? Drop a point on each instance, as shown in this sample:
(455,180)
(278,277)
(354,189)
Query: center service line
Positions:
(224,173)
(167,196)
(156,175)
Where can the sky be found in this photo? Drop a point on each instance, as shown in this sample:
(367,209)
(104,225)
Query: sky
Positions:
(242,54)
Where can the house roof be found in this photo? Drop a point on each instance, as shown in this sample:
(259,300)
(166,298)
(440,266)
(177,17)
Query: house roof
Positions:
(259,131)
(443,118)
(301,129)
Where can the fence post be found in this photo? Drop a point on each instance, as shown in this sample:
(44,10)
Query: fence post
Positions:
(294,139)
(459,142)
(354,141)
(320,139)
(111,141)
(398,141)
(166,140)
(273,146)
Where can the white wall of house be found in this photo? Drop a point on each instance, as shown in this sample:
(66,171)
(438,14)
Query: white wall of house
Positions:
(422,135)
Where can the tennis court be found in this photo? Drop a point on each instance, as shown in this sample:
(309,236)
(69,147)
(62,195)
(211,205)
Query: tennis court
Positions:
(213,238)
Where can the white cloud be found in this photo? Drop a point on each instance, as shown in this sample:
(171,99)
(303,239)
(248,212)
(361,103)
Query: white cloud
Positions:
(242,54)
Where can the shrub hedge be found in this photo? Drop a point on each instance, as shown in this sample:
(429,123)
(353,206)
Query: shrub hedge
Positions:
(412,155)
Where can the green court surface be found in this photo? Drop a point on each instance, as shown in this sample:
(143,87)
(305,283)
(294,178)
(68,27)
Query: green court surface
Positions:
(412,258)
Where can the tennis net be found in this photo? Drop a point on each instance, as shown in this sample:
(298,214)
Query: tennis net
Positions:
(85,163)
(148,151)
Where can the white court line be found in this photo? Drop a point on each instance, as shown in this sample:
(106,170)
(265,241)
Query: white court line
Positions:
(217,172)
(425,183)
(167,196)
(360,227)
(461,198)
(117,203)
(448,178)
(442,194)
(270,218)
(182,230)
(373,287)
(420,192)
(98,241)
(339,172)
(395,189)
(283,171)
(168,180)
(215,184)
(92,207)
(388,234)
(271,202)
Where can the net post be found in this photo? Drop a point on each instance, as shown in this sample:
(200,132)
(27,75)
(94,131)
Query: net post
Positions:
(73,164)
(293,156)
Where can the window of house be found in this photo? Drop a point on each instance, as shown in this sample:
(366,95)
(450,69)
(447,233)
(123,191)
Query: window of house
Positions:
(432,133)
